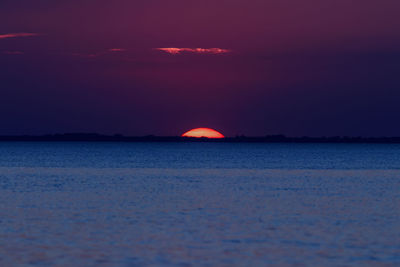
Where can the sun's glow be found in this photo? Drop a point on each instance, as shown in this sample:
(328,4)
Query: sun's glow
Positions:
(203,132)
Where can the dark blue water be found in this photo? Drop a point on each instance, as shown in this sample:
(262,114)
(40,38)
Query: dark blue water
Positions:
(199,204)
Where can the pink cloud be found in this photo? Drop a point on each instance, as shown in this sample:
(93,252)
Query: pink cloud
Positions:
(14,35)
(116,50)
(175,50)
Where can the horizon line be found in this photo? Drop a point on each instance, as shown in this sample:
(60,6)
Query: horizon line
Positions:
(277,138)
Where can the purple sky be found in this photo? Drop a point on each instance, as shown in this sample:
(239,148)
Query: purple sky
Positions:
(252,67)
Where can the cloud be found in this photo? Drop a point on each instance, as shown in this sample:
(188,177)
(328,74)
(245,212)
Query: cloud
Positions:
(116,50)
(175,50)
(15,35)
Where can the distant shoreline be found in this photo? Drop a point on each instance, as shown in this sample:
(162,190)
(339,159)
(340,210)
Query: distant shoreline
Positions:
(78,137)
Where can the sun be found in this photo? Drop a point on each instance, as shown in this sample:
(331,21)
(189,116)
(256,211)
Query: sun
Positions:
(203,132)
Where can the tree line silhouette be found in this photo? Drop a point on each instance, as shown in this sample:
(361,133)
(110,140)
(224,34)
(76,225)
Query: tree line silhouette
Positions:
(94,137)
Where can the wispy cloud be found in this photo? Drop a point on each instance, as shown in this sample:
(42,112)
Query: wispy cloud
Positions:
(176,50)
(117,50)
(15,35)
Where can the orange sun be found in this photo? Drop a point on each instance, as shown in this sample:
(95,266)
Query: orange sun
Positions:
(203,132)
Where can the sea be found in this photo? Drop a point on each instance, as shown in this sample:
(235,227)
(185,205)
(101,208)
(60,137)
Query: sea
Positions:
(199,204)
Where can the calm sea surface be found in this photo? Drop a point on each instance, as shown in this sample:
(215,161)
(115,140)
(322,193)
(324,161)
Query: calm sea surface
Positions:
(199,204)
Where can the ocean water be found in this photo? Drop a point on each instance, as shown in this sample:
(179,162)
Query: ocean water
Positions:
(199,204)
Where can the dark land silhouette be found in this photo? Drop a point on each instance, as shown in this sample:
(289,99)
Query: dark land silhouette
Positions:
(93,137)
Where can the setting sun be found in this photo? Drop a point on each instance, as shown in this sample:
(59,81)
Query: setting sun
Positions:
(203,132)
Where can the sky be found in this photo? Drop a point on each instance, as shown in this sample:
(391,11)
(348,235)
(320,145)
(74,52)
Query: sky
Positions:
(242,67)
